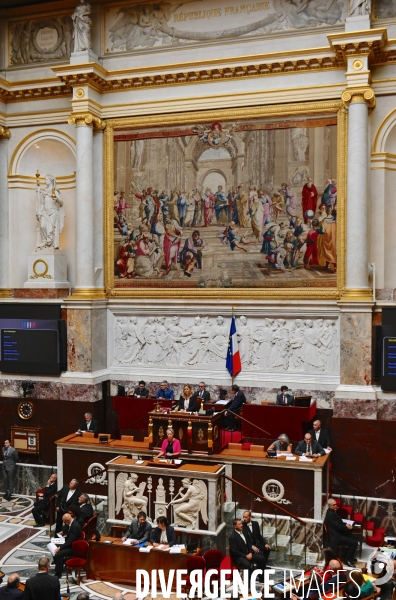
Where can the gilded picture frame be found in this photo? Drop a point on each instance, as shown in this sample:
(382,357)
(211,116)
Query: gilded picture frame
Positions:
(290,111)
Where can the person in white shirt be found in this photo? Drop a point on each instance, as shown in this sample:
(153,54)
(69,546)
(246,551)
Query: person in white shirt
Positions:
(67,496)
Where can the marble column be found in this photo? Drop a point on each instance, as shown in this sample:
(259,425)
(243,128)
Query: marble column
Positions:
(4,212)
(358,102)
(85,272)
(98,204)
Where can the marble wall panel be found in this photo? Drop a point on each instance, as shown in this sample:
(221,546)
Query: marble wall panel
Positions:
(349,408)
(79,340)
(355,348)
(53,390)
(386,409)
(28,479)
(99,339)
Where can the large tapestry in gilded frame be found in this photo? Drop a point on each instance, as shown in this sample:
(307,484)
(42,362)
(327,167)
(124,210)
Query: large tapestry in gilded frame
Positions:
(231,203)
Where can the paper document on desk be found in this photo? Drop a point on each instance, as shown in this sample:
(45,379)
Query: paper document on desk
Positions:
(222,402)
(305,458)
(177,461)
(163,548)
(52,548)
(145,549)
(128,542)
(326,450)
(290,458)
(348,521)
(175,550)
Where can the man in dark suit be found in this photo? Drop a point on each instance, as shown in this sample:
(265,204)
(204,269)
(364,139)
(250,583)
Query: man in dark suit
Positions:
(235,406)
(43,501)
(309,447)
(141,391)
(201,395)
(163,533)
(86,509)
(42,585)
(11,590)
(139,529)
(10,458)
(320,435)
(251,531)
(67,496)
(284,398)
(66,550)
(340,533)
(88,424)
(242,552)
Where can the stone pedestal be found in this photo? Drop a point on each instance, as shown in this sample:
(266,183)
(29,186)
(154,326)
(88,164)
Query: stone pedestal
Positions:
(47,268)
(85,56)
(358,23)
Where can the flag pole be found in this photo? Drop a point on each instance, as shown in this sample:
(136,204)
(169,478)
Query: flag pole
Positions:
(232,376)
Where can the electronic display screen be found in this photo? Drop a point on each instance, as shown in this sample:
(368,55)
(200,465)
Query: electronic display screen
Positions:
(388,375)
(30,350)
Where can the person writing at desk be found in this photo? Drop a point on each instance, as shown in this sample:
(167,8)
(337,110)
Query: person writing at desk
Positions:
(282,444)
(141,391)
(309,447)
(188,400)
(164,391)
(163,534)
(171,446)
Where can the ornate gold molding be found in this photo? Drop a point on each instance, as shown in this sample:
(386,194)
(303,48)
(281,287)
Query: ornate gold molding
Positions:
(87,294)
(88,119)
(4,133)
(358,95)
(357,294)
(6,293)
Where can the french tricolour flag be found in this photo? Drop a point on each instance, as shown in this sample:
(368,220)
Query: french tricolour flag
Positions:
(233,361)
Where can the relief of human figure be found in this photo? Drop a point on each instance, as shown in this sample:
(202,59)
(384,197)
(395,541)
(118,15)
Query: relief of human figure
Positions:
(134,344)
(359,8)
(311,355)
(175,333)
(218,342)
(197,342)
(186,509)
(82,27)
(130,496)
(244,335)
(296,345)
(50,214)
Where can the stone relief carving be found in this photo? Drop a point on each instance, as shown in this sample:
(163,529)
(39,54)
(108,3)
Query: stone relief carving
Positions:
(186,509)
(293,345)
(41,40)
(149,25)
(82,27)
(130,496)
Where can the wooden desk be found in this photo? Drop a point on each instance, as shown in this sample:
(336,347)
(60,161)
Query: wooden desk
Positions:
(118,563)
(196,433)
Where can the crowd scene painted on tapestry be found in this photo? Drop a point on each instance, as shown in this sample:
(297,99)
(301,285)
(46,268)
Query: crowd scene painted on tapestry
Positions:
(243,234)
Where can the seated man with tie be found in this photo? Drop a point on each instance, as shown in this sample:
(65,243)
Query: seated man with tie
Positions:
(309,447)
(241,550)
(139,529)
(164,391)
(141,391)
(251,530)
(88,424)
(283,398)
(201,393)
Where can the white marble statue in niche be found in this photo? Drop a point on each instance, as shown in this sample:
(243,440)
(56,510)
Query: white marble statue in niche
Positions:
(130,496)
(359,8)
(270,345)
(50,213)
(186,509)
(82,27)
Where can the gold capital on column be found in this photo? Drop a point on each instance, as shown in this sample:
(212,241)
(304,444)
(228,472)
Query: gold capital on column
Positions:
(351,95)
(86,119)
(4,133)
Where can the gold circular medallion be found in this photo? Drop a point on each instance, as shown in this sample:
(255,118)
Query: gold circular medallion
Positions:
(357,65)
(26,410)
(80,93)
(46,267)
